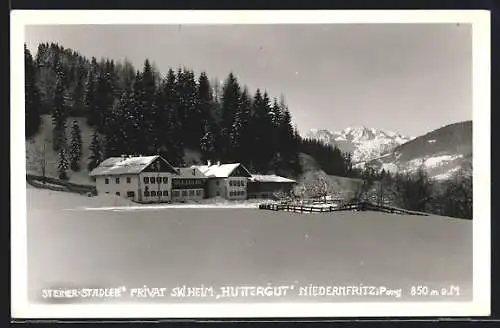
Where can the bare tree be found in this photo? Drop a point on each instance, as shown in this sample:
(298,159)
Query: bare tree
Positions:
(300,192)
(319,188)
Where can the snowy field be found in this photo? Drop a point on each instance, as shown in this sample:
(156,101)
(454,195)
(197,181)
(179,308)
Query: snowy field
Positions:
(171,247)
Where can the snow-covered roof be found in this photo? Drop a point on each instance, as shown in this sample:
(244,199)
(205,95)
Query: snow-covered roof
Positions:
(270,178)
(123,165)
(187,172)
(218,170)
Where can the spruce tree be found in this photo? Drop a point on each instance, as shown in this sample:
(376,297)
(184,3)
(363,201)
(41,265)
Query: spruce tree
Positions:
(89,100)
(59,112)
(31,96)
(62,164)
(208,142)
(137,134)
(75,147)
(150,127)
(240,136)
(95,157)
(171,129)
(229,106)
(205,107)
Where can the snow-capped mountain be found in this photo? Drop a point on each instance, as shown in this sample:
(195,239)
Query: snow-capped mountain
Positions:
(441,152)
(363,143)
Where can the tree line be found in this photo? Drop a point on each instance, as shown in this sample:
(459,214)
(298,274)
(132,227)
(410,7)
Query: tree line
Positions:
(138,112)
(416,191)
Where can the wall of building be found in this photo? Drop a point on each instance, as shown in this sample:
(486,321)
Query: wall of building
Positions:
(182,195)
(125,185)
(215,187)
(149,191)
(236,188)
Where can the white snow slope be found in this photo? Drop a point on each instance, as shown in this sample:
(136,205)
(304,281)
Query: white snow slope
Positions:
(245,247)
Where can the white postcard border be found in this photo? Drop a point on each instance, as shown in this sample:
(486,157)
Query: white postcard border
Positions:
(480,20)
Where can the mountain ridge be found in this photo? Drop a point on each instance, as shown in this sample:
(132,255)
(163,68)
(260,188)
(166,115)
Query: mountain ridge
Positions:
(441,152)
(362,142)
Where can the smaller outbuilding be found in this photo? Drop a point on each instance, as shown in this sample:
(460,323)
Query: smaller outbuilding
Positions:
(265,186)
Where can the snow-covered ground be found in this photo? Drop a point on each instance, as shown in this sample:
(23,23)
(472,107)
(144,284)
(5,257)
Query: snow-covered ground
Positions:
(432,161)
(250,247)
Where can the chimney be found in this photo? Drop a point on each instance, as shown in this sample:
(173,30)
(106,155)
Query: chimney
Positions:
(194,171)
(209,163)
(218,163)
(123,157)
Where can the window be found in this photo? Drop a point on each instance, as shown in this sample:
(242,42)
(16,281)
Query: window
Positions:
(117,180)
(158,180)
(218,193)
(152,180)
(176,193)
(130,194)
(106,181)
(117,193)
(153,193)
(165,180)
(146,194)
(217,183)
(191,192)
(146,180)
(184,193)
(165,193)
(128,179)
(198,192)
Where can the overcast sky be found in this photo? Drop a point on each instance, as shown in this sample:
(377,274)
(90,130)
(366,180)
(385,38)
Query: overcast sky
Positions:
(408,78)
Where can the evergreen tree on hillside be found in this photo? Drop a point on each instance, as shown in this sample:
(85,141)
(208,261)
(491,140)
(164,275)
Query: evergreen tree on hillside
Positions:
(78,94)
(137,132)
(148,106)
(31,96)
(205,104)
(62,164)
(75,147)
(123,126)
(104,98)
(288,146)
(262,128)
(240,134)
(95,157)
(208,141)
(190,118)
(89,100)
(171,129)
(59,112)
(230,103)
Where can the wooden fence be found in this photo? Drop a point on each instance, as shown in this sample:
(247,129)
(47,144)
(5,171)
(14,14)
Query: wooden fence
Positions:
(359,206)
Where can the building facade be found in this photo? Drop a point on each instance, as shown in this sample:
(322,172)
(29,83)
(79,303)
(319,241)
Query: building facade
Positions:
(142,179)
(188,185)
(226,180)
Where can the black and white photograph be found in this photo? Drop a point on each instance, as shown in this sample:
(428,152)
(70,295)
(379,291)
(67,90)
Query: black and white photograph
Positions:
(183,164)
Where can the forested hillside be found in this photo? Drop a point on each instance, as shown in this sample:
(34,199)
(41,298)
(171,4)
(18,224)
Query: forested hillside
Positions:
(142,111)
